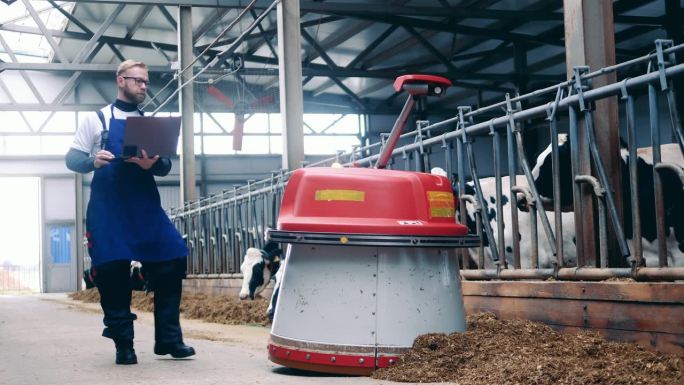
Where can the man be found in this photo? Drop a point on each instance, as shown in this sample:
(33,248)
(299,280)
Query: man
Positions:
(125,221)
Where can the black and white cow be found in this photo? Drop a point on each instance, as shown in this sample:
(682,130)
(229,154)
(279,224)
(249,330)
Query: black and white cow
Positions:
(673,196)
(138,281)
(257,268)
(276,290)
(489,208)
(541,173)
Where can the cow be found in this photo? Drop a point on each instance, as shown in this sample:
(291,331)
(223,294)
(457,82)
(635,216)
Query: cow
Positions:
(138,281)
(270,312)
(541,174)
(542,177)
(258,267)
(489,209)
(673,196)
(88,278)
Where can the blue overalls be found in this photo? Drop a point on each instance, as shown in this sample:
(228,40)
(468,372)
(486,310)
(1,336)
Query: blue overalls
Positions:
(124,222)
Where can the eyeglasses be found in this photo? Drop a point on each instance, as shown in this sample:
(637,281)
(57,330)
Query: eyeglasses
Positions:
(138,81)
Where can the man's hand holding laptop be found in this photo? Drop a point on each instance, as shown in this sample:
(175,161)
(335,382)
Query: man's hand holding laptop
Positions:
(145,162)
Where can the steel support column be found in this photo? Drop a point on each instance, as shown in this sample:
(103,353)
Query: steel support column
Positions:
(673,14)
(78,185)
(590,41)
(187,169)
(290,73)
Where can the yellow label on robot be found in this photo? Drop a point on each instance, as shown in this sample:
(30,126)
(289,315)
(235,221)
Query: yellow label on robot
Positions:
(441,204)
(340,195)
(441,212)
(440,196)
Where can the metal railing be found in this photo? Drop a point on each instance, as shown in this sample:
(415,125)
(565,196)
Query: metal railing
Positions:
(19,279)
(218,229)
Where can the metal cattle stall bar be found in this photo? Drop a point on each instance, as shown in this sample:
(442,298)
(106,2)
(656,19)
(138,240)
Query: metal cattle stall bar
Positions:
(371,261)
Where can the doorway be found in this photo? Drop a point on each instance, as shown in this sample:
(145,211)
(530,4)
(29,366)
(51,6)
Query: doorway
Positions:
(20,238)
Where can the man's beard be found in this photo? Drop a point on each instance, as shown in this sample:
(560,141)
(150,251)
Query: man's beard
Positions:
(133,97)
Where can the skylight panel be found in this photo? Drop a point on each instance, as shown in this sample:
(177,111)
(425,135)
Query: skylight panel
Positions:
(30,47)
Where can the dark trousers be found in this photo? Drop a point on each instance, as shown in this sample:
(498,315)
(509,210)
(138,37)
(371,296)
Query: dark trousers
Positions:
(164,278)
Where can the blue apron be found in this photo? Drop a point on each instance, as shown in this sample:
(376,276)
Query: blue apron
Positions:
(125,220)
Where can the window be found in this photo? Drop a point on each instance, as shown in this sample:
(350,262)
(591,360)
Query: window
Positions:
(47,133)
(32,48)
(60,243)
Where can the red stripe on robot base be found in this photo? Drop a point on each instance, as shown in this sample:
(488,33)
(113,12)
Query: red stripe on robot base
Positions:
(327,362)
(385,361)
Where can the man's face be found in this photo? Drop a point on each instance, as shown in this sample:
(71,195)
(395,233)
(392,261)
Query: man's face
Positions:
(133,84)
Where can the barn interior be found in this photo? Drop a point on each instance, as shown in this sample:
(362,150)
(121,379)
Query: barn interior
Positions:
(264,88)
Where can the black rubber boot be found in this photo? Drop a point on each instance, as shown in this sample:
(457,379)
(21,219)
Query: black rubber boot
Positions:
(114,284)
(125,354)
(166,279)
(176,350)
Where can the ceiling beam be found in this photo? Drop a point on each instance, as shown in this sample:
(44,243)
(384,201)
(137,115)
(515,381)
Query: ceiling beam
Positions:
(86,36)
(429,11)
(191,3)
(88,47)
(25,16)
(209,23)
(316,6)
(319,70)
(398,48)
(342,34)
(86,54)
(360,57)
(618,7)
(168,17)
(70,67)
(83,27)
(50,107)
(24,75)
(321,52)
(45,32)
(266,40)
(431,48)
(143,13)
(273,32)
(451,27)
(520,16)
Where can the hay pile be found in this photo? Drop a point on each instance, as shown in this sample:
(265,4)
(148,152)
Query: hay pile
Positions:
(220,309)
(504,352)
(87,295)
(225,309)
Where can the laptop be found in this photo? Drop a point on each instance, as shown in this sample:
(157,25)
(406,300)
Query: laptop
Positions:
(155,135)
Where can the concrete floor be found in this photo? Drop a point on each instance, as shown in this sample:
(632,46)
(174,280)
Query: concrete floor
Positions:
(49,339)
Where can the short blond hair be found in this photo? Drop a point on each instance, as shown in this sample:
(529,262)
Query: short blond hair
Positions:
(123,67)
